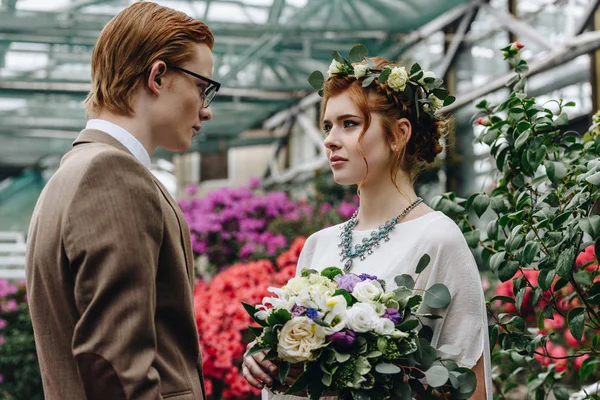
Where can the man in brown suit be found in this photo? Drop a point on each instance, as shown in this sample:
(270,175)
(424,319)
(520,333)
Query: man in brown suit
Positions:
(109,261)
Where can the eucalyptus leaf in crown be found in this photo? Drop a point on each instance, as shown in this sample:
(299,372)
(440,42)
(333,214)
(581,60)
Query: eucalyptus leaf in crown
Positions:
(419,85)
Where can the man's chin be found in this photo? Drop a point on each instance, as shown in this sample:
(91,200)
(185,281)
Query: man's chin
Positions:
(178,147)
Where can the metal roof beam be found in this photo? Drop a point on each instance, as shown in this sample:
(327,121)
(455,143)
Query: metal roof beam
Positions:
(579,45)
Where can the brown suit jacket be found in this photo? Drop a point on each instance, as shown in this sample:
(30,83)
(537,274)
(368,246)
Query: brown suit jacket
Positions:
(110,281)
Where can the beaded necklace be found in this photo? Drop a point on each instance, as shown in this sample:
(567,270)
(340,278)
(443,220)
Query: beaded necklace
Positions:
(365,248)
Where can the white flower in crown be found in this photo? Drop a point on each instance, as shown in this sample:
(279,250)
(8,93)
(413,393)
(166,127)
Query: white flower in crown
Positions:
(434,105)
(360,70)
(426,74)
(398,78)
(335,68)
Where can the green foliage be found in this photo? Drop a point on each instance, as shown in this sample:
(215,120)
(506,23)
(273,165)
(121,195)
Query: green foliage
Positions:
(542,219)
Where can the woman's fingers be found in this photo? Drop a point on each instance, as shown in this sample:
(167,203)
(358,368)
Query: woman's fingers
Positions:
(254,372)
(266,364)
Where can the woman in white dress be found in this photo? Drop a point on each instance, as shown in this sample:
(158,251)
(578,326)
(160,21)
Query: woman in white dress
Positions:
(376,138)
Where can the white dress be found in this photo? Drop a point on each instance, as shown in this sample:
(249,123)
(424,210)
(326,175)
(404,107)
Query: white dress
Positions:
(464,322)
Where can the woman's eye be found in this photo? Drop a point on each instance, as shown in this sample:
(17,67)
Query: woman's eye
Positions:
(349,124)
(326,128)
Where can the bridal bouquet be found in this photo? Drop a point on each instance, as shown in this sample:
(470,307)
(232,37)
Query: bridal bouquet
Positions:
(356,339)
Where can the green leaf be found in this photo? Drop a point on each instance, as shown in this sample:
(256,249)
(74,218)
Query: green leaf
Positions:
(591,226)
(387,369)
(468,381)
(402,390)
(504,299)
(561,219)
(530,252)
(545,278)
(496,260)
(357,53)
(565,262)
(575,319)
(536,157)
(570,104)
(583,278)
(255,331)
(594,179)
(437,296)
(279,317)
(440,93)
(520,297)
(492,230)
(481,204)
(368,80)
(257,349)
(414,69)
(449,100)
(405,280)
(451,350)
(522,139)
(473,238)
(252,310)
(283,371)
(493,331)
(408,325)
(414,301)
(316,79)
(562,120)
(508,270)
(338,57)
(383,76)
(560,393)
(436,376)
(423,263)
(587,368)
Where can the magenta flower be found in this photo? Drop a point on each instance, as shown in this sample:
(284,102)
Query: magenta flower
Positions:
(254,183)
(3,323)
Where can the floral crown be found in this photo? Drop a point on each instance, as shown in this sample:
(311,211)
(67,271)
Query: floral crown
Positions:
(432,97)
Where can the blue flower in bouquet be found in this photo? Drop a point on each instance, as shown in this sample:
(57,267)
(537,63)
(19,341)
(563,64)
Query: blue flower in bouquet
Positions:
(344,339)
(312,313)
(347,282)
(393,315)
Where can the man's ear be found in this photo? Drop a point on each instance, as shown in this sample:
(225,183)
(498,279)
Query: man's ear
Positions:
(401,135)
(155,77)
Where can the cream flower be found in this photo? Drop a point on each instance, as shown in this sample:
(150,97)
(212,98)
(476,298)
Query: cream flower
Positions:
(435,105)
(335,68)
(335,315)
(361,318)
(297,339)
(360,70)
(295,285)
(367,291)
(398,79)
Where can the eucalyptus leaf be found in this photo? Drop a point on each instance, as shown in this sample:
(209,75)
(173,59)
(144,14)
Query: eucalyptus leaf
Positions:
(316,79)
(451,350)
(358,53)
(437,296)
(388,369)
(436,376)
(423,263)
(405,280)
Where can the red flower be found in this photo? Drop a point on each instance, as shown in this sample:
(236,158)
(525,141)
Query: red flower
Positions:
(579,360)
(588,256)
(515,46)
(484,121)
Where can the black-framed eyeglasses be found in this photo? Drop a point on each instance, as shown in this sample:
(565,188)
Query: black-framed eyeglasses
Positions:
(211,90)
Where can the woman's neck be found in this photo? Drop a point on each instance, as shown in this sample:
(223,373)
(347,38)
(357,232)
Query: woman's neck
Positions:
(382,202)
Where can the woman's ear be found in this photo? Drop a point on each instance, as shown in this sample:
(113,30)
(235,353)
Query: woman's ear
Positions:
(155,77)
(402,134)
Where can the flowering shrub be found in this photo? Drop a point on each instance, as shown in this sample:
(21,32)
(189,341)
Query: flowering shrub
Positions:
(542,241)
(243,224)
(223,322)
(19,370)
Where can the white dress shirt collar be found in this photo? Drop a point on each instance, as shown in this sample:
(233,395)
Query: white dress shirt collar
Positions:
(124,137)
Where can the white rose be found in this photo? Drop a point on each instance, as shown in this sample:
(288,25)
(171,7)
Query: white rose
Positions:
(426,74)
(335,68)
(360,70)
(367,291)
(295,285)
(435,105)
(297,339)
(384,326)
(361,318)
(398,78)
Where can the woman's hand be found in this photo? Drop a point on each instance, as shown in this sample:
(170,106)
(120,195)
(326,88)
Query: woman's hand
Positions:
(258,371)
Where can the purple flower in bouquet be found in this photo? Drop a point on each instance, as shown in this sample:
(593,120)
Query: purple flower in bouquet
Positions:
(298,310)
(312,313)
(344,338)
(364,277)
(393,315)
(347,282)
